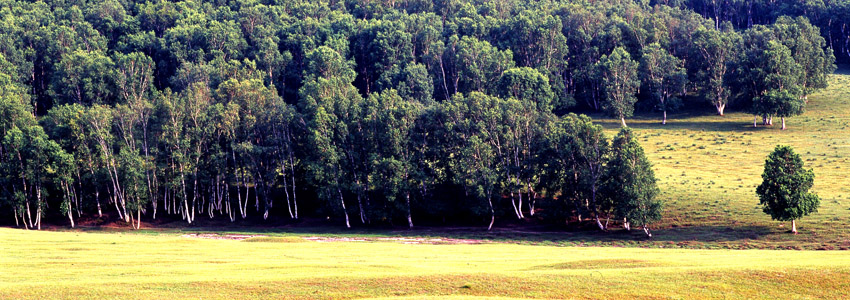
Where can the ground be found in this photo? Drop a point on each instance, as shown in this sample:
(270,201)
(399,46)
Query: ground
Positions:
(173,265)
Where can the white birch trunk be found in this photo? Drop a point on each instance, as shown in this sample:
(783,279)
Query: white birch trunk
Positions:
(794,226)
(409,214)
(344,211)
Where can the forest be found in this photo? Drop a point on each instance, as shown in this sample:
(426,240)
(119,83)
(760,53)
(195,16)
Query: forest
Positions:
(378,112)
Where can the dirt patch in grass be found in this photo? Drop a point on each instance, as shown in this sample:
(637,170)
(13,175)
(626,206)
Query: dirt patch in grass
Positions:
(275,239)
(594,264)
(403,240)
(213,236)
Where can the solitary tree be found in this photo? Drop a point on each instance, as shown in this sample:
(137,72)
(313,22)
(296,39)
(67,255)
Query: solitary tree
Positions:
(785,189)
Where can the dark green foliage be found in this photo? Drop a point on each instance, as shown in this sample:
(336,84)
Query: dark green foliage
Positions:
(784,191)
(630,183)
(664,76)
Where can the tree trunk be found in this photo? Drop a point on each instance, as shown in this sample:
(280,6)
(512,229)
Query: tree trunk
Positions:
(513,203)
(664,120)
(720,109)
(344,211)
(360,207)
(409,217)
(294,197)
(492,212)
(755,121)
(794,226)
(519,205)
(599,223)
(783,123)
(626,224)
(646,230)
(623,120)
(70,214)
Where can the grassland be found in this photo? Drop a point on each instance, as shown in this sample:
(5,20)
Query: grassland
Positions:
(84,265)
(708,167)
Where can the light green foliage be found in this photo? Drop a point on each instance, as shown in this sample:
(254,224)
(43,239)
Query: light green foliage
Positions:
(713,51)
(784,191)
(84,77)
(394,161)
(477,64)
(618,73)
(808,48)
(527,85)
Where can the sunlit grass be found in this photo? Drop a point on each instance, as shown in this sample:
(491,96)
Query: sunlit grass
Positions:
(708,167)
(77,265)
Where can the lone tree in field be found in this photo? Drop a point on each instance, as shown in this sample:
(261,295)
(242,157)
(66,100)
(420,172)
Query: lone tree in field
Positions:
(785,189)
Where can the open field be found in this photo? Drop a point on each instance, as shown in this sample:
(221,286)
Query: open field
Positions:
(708,168)
(81,265)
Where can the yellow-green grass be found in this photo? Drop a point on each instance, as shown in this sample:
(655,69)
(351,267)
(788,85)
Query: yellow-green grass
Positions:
(80,265)
(708,167)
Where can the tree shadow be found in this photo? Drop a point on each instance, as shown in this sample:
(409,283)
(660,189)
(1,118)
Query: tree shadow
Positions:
(588,234)
(687,120)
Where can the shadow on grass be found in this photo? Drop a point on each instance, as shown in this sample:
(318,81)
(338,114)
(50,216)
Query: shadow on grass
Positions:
(525,235)
(693,120)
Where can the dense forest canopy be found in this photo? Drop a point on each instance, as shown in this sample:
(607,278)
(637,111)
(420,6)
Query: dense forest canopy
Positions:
(377,111)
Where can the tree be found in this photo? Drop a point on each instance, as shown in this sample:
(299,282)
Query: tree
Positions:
(330,104)
(714,51)
(527,84)
(574,160)
(630,183)
(664,77)
(809,50)
(84,77)
(476,64)
(620,82)
(784,191)
(392,120)
(776,82)
(472,123)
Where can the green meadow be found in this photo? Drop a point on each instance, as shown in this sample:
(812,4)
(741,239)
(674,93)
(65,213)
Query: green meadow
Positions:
(85,265)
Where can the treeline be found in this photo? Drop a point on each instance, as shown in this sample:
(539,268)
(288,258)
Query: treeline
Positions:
(831,16)
(376,111)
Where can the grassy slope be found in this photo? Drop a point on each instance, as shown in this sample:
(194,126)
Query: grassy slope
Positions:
(709,166)
(74,265)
